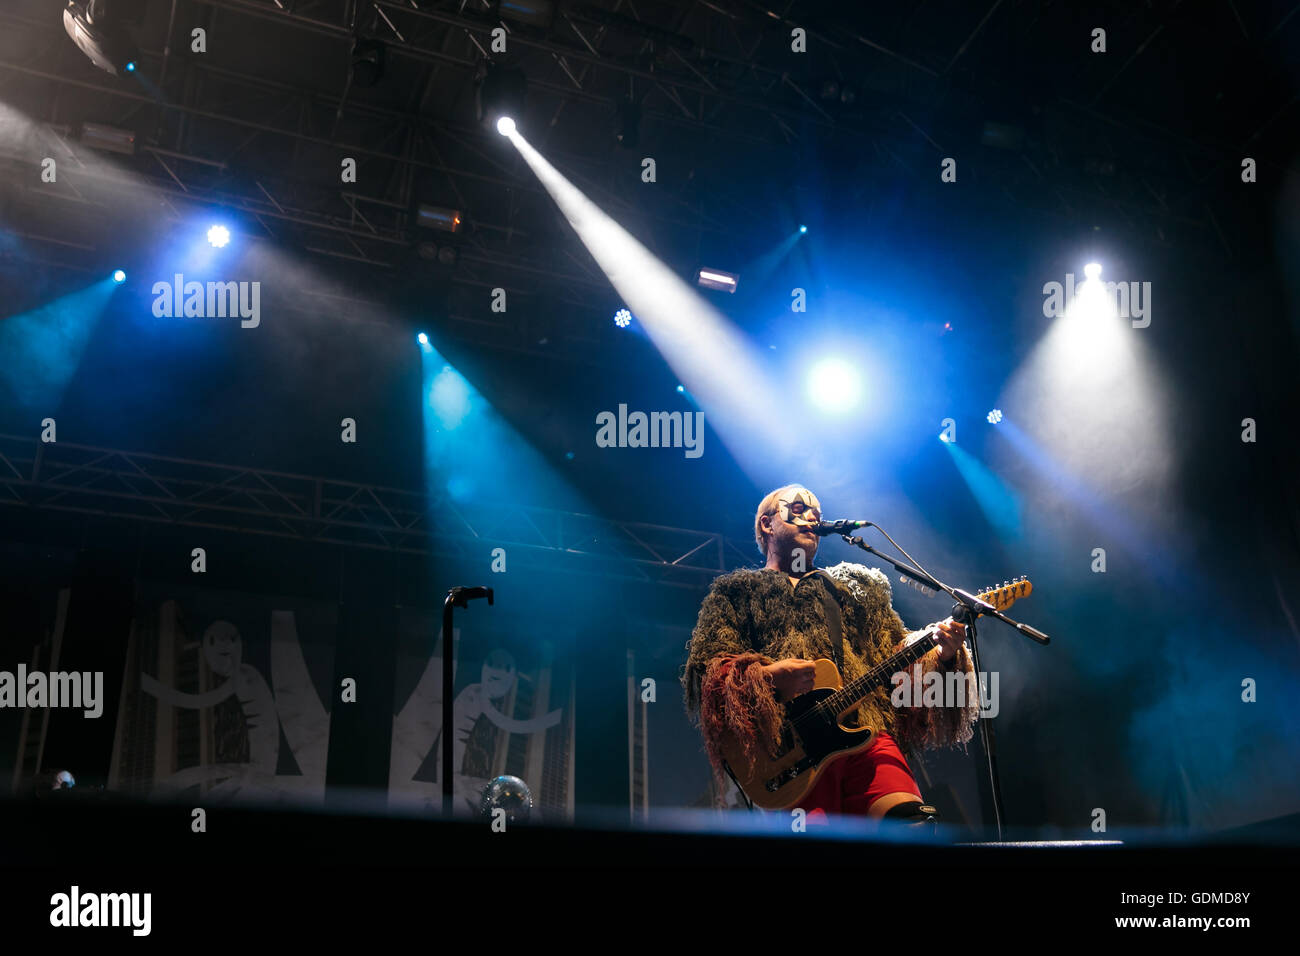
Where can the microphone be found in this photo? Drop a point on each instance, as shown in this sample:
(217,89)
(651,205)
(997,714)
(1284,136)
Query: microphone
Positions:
(838,527)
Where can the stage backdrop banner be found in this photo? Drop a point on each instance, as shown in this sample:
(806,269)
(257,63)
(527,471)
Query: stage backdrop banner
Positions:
(225,695)
(513,716)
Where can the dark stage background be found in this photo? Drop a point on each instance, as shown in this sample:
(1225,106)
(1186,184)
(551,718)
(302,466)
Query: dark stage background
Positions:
(1137,705)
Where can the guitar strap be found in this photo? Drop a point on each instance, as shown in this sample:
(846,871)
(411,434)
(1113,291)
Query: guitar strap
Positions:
(834,623)
(835,626)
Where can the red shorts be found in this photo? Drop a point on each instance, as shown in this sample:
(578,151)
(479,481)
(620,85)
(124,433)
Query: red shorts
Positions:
(852,784)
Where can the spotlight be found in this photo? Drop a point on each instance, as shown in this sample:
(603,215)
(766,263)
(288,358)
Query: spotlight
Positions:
(717,279)
(681,388)
(943,436)
(505,126)
(1092,270)
(99,31)
(802,230)
(437,217)
(422,338)
(108,138)
(622,318)
(834,385)
(994,416)
(119,276)
(219,236)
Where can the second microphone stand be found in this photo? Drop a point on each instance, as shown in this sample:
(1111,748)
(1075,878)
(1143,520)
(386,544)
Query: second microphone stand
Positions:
(456,597)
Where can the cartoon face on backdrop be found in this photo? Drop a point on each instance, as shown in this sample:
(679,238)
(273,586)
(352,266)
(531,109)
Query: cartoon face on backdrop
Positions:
(222,648)
(498,674)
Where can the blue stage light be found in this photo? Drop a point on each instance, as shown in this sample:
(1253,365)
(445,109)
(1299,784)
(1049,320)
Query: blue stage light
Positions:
(119,276)
(422,339)
(834,385)
(219,236)
(803,229)
(622,318)
(995,416)
(130,67)
(681,388)
(450,397)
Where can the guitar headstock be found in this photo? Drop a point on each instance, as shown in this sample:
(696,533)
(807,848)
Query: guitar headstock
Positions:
(1007,593)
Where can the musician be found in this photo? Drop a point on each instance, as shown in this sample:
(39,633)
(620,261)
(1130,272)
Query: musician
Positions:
(753,645)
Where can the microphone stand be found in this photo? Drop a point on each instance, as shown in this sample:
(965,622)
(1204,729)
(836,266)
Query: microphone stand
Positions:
(456,597)
(967,610)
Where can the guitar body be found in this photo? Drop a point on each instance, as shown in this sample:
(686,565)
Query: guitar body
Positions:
(780,783)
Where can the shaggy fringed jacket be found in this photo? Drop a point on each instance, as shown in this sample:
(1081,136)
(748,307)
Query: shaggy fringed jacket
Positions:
(754,617)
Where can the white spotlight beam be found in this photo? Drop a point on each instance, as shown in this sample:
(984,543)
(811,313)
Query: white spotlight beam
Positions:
(714,361)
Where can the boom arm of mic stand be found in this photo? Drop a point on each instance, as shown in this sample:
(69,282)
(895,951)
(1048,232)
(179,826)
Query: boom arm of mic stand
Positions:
(967,601)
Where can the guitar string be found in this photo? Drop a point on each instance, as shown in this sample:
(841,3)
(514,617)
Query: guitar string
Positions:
(846,695)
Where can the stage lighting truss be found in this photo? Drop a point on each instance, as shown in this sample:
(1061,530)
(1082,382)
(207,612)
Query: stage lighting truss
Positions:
(628,134)
(535,13)
(82,479)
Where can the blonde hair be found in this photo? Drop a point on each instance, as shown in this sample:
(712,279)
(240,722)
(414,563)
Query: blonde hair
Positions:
(766,507)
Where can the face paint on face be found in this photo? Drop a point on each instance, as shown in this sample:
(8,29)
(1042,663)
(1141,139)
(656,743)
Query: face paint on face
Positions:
(801,508)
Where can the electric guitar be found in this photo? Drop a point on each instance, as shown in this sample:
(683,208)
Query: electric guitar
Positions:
(812,736)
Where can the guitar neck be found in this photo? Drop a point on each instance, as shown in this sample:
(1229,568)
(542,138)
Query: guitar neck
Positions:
(856,690)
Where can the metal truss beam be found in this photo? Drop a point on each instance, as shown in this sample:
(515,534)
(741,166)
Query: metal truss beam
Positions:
(478,29)
(699,219)
(83,479)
